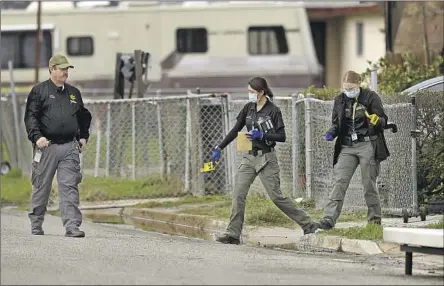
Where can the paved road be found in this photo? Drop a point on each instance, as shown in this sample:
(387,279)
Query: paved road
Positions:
(117,254)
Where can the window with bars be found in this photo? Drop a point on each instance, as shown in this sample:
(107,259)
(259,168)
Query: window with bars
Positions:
(19,47)
(267,40)
(80,46)
(191,40)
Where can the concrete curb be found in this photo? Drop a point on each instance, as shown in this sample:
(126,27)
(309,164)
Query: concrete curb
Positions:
(203,227)
(342,244)
(360,246)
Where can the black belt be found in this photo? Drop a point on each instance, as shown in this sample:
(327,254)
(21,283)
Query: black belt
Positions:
(256,152)
(348,141)
(59,142)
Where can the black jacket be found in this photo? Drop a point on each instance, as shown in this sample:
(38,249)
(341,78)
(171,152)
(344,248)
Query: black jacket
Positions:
(373,105)
(249,117)
(55,113)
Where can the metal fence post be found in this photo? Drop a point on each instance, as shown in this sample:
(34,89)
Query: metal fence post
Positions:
(133,141)
(159,130)
(308,147)
(16,116)
(187,146)
(228,162)
(374,79)
(231,148)
(108,138)
(295,143)
(414,133)
(98,146)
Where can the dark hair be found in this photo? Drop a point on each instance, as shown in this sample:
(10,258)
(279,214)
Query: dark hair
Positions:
(260,84)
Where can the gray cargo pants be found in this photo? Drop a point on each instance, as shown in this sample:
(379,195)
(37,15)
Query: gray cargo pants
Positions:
(360,153)
(267,167)
(63,158)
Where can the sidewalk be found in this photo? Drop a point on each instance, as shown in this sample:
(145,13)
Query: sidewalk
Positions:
(168,220)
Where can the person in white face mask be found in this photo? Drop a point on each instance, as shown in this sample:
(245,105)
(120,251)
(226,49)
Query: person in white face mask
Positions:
(358,121)
(264,122)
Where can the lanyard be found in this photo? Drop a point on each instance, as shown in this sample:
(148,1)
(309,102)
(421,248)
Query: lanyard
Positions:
(353,115)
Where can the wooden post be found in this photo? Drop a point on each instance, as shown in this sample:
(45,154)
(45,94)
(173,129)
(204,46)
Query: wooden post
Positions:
(426,38)
(38,42)
(119,82)
(141,84)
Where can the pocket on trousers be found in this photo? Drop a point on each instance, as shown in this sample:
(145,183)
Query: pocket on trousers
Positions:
(35,174)
(75,155)
(272,182)
(271,163)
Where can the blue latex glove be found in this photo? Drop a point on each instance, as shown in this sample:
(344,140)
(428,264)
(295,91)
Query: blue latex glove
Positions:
(216,155)
(328,136)
(255,135)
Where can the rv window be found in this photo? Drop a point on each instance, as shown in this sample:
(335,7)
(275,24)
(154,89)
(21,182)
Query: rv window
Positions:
(79,46)
(267,40)
(191,40)
(19,46)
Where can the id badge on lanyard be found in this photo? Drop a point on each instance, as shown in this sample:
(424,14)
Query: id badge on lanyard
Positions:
(354,136)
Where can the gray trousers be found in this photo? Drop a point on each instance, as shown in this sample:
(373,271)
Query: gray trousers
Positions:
(360,153)
(63,158)
(267,167)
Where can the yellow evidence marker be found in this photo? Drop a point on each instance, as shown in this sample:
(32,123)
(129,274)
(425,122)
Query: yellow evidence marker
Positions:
(207,167)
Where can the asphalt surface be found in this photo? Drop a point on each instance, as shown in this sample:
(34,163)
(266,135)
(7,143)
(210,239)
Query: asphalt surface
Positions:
(119,254)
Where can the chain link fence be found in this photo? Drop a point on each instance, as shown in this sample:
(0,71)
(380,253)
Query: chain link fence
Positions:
(394,181)
(171,136)
(428,110)
(283,150)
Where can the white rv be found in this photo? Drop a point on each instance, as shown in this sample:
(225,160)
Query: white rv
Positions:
(204,45)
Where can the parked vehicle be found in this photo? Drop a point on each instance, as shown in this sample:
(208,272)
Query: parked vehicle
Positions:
(199,45)
(433,84)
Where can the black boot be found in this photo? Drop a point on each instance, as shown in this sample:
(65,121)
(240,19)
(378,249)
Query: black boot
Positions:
(375,221)
(311,228)
(37,231)
(226,239)
(75,232)
(325,224)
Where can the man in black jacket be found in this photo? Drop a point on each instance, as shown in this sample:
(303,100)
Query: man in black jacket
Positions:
(358,122)
(57,124)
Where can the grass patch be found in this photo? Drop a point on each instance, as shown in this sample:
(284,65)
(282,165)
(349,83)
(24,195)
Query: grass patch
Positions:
(188,199)
(369,232)
(219,211)
(260,211)
(436,225)
(16,189)
(93,189)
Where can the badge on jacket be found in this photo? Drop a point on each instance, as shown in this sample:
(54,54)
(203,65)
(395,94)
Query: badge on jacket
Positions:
(72,98)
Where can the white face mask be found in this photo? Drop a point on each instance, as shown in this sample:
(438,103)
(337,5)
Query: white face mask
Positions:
(352,93)
(252,97)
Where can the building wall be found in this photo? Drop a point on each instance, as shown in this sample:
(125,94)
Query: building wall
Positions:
(342,45)
(373,42)
(333,52)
